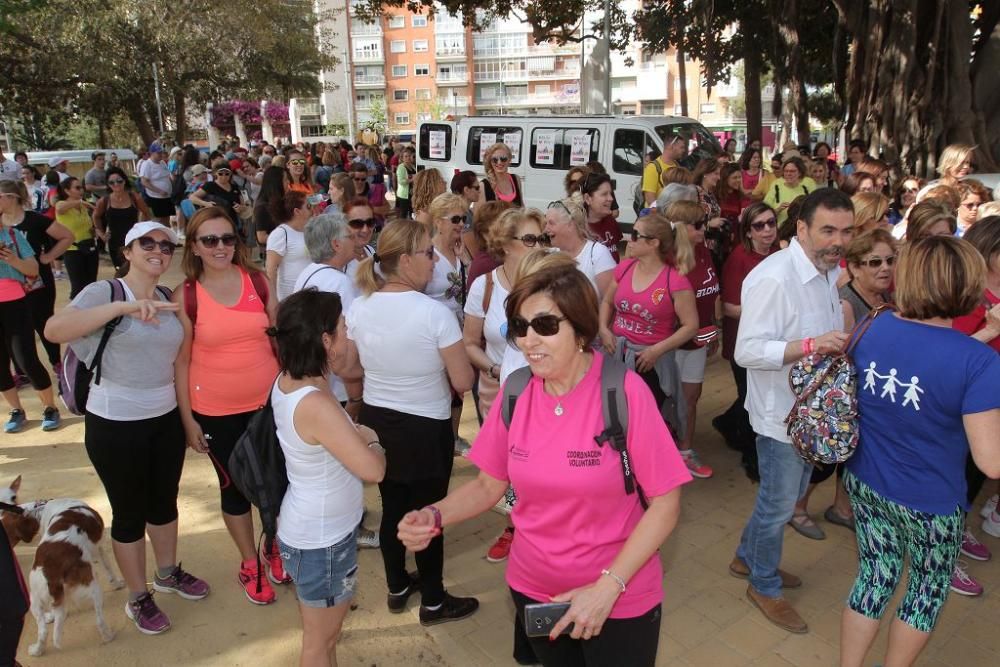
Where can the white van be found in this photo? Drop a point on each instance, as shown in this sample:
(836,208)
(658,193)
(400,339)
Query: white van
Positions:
(545,147)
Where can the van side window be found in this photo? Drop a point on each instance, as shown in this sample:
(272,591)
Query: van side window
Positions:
(628,150)
(482,137)
(557,147)
(435,142)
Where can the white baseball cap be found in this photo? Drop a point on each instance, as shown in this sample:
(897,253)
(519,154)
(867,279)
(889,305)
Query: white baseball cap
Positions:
(56,161)
(140,229)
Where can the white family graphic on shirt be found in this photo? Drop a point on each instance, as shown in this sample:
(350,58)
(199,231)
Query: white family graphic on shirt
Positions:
(910,397)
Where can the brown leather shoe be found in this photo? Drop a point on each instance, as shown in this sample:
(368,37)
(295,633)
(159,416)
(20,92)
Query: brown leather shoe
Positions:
(779,611)
(740,569)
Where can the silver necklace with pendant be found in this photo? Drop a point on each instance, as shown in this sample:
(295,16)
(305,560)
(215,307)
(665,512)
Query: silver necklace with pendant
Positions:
(558,409)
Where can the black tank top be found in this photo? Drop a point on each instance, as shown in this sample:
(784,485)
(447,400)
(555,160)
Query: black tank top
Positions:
(119,220)
(492,196)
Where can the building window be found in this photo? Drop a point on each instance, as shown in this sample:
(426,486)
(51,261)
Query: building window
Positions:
(420,46)
(422,93)
(397,22)
(543,89)
(678,110)
(419,21)
(552,148)
(421,70)
(424,117)
(398,46)
(708,108)
(652,108)
(402,119)
(400,95)
(398,71)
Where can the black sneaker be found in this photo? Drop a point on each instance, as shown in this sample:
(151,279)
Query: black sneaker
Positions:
(397,601)
(451,609)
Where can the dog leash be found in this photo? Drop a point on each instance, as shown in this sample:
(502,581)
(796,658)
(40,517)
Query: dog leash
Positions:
(14,509)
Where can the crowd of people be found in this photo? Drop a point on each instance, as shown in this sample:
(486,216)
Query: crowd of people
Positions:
(365,326)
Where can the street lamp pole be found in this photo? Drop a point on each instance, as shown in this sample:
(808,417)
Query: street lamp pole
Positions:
(156,85)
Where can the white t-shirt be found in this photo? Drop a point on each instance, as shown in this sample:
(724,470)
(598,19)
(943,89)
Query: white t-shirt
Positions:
(326,278)
(10,170)
(158,177)
(445,285)
(494,320)
(291,245)
(513,359)
(352,266)
(594,260)
(399,336)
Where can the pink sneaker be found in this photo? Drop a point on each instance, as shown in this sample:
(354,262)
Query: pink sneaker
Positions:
(147,616)
(973,548)
(274,567)
(695,466)
(963,584)
(501,548)
(181,583)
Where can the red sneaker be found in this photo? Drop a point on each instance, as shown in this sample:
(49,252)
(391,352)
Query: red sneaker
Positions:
(501,548)
(257,588)
(275,568)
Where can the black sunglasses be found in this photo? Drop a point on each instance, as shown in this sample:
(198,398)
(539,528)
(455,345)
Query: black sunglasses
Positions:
(456,219)
(223,172)
(635,235)
(876,262)
(358,223)
(697,225)
(761,224)
(553,204)
(543,325)
(149,244)
(115,181)
(498,159)
(213,240)
(359,178)
(530,240)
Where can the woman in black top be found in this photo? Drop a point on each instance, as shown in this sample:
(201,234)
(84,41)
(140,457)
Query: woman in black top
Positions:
(117,212)
(272,188)
(499,183)
(221,192)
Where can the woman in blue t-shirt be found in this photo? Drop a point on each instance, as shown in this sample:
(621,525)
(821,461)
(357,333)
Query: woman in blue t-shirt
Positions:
(920,414)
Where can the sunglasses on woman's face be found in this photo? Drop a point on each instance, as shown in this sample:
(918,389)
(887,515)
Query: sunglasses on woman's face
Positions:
(696,225)
(359,223)
(876,262)
(223,172)
(759,226)
(635,235)
(115,181)
(500,159)
(543,325)
(149,244)
(455,219)
(530,240)
(359,178)
(297,162)
(429,253)
(213,240)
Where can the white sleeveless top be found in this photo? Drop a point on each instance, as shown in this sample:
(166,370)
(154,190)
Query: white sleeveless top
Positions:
(324,501)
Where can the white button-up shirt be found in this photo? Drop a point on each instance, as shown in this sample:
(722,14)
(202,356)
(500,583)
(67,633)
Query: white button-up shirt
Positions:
(784,298)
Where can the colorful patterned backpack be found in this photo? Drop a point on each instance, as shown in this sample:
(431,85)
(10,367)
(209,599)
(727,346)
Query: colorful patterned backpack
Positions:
(823,422)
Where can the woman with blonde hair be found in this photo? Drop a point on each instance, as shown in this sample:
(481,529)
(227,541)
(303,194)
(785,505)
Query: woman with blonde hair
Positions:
(679,175)
(566,225)
(955,163)
(871,211)
(930,217)
(427,184)
(341,191)
(974,194)
(413,356)
(499,182)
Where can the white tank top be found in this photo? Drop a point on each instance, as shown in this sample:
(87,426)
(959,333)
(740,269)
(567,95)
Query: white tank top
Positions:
(324,500)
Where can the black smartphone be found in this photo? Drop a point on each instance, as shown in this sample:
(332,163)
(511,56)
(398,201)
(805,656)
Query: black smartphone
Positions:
(539,619)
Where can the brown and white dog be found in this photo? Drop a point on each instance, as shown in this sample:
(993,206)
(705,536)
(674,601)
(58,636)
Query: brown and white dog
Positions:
(63,567)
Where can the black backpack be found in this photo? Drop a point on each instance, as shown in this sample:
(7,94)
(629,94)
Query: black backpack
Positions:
(614,405)
(257,467)
(639,199)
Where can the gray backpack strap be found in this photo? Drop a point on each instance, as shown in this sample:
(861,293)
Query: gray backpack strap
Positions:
(614,406)
(512,388)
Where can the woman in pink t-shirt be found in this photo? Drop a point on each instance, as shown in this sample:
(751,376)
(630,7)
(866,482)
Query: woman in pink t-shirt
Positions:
(580,537)
(649,311)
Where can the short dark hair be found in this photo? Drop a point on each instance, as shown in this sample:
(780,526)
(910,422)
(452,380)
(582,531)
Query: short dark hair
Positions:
(359,166)
(572,292)
(95,155)
(462,180)
(858,143)
(830,199)
(302,320)
(985,237)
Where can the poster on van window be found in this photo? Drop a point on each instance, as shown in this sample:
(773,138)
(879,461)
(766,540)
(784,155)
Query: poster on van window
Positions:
(436,141)
(513,141)
(545,144)
(486,139)
(579,150)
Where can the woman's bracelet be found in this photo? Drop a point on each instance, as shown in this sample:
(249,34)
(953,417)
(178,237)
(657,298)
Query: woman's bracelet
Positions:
(618,580)
(377,446)
(359,399)
(808,346)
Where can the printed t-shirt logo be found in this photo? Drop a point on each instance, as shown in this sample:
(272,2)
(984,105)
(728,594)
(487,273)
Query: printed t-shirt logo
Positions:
(658,295)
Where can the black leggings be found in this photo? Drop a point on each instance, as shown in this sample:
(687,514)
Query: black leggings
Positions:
(81,265)
(623,641)
(139,463)
(222,433)
(42,304)
(10,636)
(19,341)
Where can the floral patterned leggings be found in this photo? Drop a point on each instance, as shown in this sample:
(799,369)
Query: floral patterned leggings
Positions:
(886,533)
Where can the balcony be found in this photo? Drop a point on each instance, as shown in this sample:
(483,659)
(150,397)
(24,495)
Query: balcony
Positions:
(526,75)
(529,100)
(450,51)
(368,81)
(369,55)
(310,110)
(452,78)
(359,29)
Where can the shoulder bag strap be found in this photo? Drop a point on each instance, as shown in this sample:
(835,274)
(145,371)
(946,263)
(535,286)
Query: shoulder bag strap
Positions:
(512,389)
(191,302)
(117,294)
(614,406)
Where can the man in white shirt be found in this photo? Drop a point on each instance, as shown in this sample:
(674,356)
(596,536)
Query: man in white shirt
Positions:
(157,183)
(9,169)
(790,309)
(60,165)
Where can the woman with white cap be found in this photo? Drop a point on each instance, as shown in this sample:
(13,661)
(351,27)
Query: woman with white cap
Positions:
(133,431)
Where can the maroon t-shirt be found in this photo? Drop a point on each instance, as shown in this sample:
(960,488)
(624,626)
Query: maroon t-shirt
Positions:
(737,268)
(976,320)
(705,283)
(607,233)
(481,264)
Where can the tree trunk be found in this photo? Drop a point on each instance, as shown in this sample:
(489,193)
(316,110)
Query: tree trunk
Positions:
(682,76)
(180,117)
(788,32)
(751,91)
(802,116)
(137,114)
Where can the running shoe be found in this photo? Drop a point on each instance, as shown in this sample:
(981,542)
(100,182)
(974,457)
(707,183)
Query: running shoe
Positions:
(367,538)
(16,422)
(183,584)
(973,548)
(146,615)
(275,566)
(501,548)
(451,609)
(991,524)
(257,588)
(695,466)
(50,419)
(962,583)
(989,507)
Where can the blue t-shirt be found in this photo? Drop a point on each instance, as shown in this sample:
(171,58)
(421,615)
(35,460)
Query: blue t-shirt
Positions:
(915,381)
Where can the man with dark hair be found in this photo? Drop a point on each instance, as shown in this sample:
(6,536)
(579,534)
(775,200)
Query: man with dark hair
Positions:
(790,310)
(856,151)
(95,181)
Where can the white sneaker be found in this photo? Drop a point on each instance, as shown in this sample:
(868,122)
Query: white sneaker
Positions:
(990,507)
(991,524)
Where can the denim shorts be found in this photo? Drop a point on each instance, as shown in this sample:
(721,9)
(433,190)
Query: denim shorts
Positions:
(323,577)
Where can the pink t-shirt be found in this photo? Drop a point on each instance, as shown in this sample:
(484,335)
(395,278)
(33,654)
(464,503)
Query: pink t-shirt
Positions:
(572,515)
(646,317)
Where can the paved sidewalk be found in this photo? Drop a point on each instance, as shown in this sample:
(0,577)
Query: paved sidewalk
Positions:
(707,620)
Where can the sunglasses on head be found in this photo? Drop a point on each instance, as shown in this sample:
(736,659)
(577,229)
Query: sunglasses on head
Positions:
(499,159)
(213,240)
(759,226)
(299,162)
(359,223)
(543,325)
(149,244)
(559,204)
(635,235)
(876,262)
(530,240)
(455,219)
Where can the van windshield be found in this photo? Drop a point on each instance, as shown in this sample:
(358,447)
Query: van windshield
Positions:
(699,142)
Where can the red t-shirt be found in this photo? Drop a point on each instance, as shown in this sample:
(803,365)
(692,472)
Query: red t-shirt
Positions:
(705,283)
(737,268)
(607,233)
(976,320)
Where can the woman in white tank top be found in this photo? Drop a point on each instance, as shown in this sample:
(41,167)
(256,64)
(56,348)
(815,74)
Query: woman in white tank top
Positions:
(327,458)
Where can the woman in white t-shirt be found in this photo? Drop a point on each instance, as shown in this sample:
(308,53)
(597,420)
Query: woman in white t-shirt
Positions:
(410,347)
(566,224)
(327,458)
(286,245)
(447,219)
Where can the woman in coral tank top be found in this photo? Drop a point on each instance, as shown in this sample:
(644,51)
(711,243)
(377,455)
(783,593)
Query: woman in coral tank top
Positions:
(225,369)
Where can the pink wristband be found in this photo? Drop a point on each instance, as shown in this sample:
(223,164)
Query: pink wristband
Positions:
(808,346)
(437,515)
